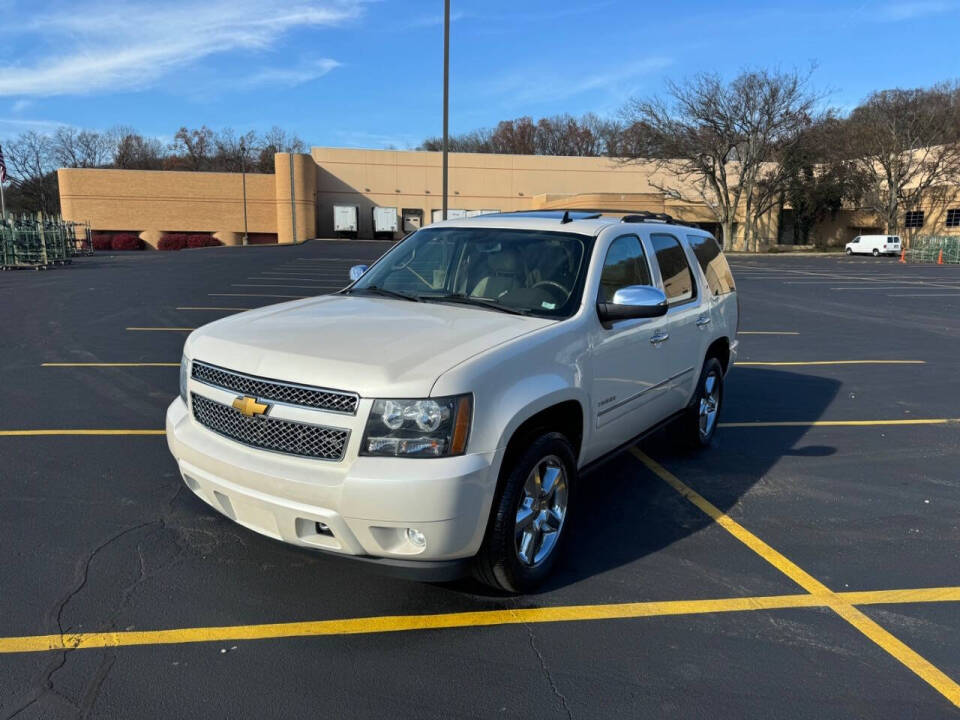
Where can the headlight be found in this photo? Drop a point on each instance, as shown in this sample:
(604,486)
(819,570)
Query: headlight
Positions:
(430,427)
(184,373)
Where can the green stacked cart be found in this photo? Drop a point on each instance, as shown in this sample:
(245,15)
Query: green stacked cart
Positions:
(41,242)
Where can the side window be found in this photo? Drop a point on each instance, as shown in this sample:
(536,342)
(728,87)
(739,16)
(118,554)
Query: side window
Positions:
(624,265)
(713,264)
(678,284)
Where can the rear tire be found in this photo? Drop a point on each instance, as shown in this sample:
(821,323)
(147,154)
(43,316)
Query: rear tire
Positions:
(530,512)
(704,412)
(876,253)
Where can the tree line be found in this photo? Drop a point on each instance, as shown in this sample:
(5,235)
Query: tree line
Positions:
(764,140)
(32,158)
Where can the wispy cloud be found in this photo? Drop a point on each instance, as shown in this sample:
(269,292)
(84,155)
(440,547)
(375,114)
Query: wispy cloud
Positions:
(899,11)
(20,105)
(518,86)
(131,46)
(303,72)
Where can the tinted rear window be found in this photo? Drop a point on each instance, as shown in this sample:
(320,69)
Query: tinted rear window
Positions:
(678,284)
(713,264)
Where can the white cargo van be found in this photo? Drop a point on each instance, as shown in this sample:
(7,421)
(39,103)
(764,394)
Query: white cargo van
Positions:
(874,245)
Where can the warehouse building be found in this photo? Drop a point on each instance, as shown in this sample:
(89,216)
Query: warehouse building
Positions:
(363,193)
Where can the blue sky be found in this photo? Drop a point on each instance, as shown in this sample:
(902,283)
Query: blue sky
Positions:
(367,73)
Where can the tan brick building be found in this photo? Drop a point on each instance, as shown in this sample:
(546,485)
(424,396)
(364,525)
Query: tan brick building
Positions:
(296,202)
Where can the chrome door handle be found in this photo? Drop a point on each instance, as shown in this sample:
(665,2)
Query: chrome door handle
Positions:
(704,320)
(660,337)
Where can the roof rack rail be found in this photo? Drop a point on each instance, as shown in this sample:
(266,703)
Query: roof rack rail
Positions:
(647,217)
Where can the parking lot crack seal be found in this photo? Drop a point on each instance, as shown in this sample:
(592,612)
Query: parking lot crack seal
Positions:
(546,671)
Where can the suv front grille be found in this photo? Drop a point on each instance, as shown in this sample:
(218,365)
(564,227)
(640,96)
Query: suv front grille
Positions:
(276,390)
(293,438)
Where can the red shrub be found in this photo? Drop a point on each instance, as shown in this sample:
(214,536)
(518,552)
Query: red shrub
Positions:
(125,241)
(198,240)
(262,239)
(172,241)
(101,241)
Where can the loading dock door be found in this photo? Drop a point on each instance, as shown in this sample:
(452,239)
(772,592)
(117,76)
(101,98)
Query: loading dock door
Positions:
(412,219)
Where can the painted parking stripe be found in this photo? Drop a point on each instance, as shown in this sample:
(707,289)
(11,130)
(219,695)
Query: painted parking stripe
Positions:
(305,287)
(481,618)
(231,309)
(161,329)
(110,364)
(295,297)
(829,362)
(840,423)
(912,660)
(767,332)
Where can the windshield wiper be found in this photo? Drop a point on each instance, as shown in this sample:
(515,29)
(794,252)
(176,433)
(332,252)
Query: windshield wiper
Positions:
(374,290)
(479,302)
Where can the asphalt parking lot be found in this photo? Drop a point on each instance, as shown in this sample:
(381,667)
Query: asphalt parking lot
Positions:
(807,565)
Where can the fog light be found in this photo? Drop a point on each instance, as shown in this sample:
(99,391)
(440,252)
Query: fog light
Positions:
(416,538)
(324,529)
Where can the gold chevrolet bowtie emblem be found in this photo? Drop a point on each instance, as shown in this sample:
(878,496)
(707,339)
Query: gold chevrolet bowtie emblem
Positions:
(249,406)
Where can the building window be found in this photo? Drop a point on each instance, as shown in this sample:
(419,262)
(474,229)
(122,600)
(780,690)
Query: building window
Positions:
(914,219)
(953,217)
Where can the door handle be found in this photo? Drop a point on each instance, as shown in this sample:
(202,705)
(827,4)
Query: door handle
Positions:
(660,337)
(704,320)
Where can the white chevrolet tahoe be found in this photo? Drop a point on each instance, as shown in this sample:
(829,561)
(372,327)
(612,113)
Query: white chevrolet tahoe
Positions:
(438,413)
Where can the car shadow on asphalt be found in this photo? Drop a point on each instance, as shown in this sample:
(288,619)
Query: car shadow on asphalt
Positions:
(624,512)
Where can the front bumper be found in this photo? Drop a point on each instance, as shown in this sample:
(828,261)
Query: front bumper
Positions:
(360,507)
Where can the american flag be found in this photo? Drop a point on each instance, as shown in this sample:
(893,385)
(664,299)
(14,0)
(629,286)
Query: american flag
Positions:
(3,167)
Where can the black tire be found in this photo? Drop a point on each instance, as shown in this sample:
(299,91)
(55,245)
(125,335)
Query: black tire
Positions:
(498,563)
(694,430)
(849,251)
(876,253)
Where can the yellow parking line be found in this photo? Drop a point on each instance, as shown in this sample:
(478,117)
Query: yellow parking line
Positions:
(29,433)
(766,332)
(840,423)
(833,362)
(110,364)
(163,329)
(838,603)
(297,297)
(481,618)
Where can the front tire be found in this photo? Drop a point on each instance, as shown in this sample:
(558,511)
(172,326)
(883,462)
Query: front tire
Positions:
(849,251)
(530,513)
(704,412)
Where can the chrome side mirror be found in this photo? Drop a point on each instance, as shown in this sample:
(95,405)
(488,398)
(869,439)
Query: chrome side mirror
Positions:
(356,271)
(634,301)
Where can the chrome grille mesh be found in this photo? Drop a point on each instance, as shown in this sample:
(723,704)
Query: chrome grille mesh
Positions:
(264,389)
(269,433)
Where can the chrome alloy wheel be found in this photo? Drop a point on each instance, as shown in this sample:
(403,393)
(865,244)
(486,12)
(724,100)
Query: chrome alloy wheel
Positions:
(709,404)
(542,510)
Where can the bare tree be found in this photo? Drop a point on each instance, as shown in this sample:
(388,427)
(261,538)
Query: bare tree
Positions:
(276,140)
(905,144)
(192,149)
(32,170)
(232,151)
(75,148)
(713,140)
(133,151)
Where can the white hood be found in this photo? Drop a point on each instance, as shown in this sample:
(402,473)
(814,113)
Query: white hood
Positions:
(377,347)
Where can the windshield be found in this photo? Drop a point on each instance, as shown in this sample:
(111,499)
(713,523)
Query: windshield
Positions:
(528,271)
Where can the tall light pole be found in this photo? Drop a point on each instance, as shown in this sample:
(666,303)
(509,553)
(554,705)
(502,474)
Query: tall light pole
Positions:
(243,179)
(446,96)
